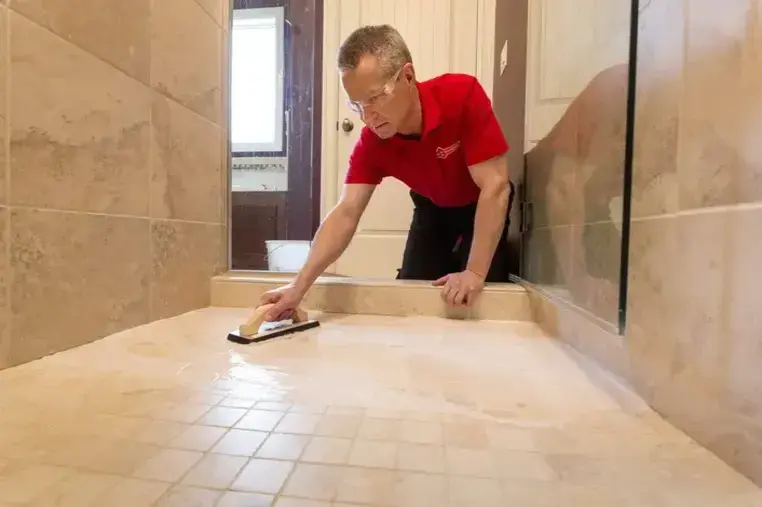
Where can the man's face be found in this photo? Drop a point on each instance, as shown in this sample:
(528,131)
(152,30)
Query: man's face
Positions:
(382,101)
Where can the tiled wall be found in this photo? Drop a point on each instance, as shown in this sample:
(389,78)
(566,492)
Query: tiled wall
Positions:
(575,171)
(693,345)
(112,189)
(694,320)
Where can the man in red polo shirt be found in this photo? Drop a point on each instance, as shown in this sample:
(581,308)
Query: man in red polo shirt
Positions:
(442,139)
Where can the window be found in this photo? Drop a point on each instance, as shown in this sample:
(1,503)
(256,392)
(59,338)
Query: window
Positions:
(256,93)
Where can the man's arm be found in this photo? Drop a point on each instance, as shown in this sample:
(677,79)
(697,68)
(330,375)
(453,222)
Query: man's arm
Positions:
(335,233)
(492,178)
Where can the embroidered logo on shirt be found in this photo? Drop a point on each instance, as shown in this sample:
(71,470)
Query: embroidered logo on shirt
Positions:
(443,153)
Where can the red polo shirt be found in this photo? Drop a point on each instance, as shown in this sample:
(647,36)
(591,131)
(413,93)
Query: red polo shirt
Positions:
(459,130)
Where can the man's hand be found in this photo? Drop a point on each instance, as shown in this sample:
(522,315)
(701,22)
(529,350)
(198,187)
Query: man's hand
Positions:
(286,299)
(461,289)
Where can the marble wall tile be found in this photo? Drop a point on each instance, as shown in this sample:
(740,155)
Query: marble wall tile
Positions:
(657,108)
(185,56)
(185,164)
(185,258)
(595,266)
(76,278)
(80,129)
(721,113)
(3,105)
(653,302)
(4,280)
(551,255)
(116,31)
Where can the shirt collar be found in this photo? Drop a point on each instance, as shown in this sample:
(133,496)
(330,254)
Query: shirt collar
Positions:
(430,110)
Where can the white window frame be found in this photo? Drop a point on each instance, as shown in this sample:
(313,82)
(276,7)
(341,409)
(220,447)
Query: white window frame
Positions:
(279,14)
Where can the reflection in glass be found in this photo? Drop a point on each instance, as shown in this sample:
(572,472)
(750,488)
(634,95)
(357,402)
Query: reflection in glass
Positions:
(578,84)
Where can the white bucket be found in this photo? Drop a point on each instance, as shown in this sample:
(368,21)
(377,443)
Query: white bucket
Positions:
(286,255)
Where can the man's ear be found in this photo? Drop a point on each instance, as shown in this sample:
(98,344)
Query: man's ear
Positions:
(409,72)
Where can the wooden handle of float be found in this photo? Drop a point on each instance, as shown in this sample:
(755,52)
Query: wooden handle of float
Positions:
(251,327)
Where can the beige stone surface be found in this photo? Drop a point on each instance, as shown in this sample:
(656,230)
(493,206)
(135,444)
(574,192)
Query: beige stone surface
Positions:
(3,105)
(444,413)
(4,281)
(76,278)
(186,158)
(182,35)
(80,128)
(184,259)
(115,31)
(393,297)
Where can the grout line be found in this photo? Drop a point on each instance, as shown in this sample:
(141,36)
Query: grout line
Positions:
(110,215)
(209,14)
(727,208)
(151,143)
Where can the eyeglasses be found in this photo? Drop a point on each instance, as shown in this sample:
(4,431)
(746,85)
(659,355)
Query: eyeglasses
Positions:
(378,100)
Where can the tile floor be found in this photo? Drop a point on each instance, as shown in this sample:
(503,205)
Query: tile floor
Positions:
(364,411)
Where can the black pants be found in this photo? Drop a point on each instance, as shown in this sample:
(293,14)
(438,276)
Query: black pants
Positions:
(439,242)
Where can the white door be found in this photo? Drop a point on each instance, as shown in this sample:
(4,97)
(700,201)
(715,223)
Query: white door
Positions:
(442,37)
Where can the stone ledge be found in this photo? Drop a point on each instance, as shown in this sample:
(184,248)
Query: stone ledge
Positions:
(332,294)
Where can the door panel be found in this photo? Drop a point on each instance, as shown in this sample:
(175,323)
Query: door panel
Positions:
(570,42)
(442,37)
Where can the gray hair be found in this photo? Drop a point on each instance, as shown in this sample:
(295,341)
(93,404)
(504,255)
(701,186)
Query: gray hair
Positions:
(382,41)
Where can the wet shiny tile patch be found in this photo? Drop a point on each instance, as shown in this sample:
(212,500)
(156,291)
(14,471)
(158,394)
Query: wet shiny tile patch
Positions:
(363,411)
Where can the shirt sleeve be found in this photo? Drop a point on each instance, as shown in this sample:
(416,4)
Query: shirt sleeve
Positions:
(483,138)
(363,169)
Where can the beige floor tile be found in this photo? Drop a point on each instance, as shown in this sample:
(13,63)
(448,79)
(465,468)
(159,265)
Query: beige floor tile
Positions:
(368,486)
(216,471)
(373,428)
(280,446)
(475,492)
(169,465)
(188,496)
(239,499)
(523,465)
(276,406)
(414,489)
(225,417)
(79,489)
(134,493)
(373,453)
(316,482)
(470,462)
(198,438)
(159,432)
(302,424)
(237,403)
(25,482)
(339,425)
(240,442)
(466,435)
(263,476)
(261,420)
(417,432)
(300,502)
(421,458)
(327,450)
(179,412)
